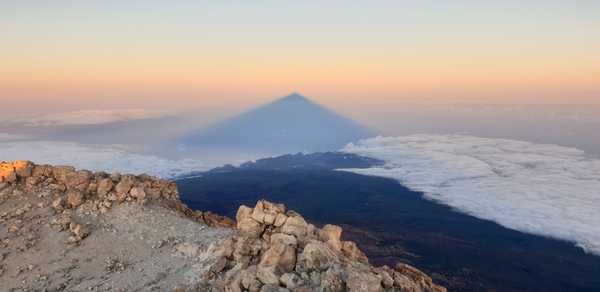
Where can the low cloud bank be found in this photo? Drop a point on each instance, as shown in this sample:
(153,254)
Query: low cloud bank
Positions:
(541,189)
(87,117)
(97,158)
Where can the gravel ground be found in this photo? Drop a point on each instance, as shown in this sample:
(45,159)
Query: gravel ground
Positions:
(132,247)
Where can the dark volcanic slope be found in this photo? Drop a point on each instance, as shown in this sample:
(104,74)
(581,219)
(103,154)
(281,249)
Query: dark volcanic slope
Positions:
(393,223)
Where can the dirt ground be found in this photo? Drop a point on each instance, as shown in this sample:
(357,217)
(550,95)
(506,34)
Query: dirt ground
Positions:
(132,247)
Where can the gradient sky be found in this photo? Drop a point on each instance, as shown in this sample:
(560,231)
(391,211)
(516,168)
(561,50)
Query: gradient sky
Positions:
(190,54)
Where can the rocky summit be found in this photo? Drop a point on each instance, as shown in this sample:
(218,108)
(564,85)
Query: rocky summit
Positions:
(63,229)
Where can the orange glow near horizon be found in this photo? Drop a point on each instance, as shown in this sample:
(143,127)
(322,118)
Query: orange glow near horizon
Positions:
(438,58)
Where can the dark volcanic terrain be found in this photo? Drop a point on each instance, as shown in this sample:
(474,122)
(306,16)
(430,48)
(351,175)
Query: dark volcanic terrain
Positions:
(392,223)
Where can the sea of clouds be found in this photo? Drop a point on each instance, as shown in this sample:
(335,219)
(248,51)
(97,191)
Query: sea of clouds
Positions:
(111,158)
(542,189)
(86,117)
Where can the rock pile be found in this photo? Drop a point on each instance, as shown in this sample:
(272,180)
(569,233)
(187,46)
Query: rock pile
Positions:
(277,250)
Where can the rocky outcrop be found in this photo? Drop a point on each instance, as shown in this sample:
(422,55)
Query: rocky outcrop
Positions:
(82,214)
(63,229)
(97,192)
(278,250)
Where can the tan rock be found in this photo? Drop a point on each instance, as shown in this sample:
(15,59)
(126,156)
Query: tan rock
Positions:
(363,281)
(387,281)
(60,172)
(280,238)
(75,199)
(317,256)
(138,193)
(291,281)
(351,250)
(77,180)
(23,168)
(7,173)
(124,185)
(295,225)
(105,185)
(333,280)
(266,212)
(42,171)
(58,204)
(250,228)
(32,181)
(279,220)
(216,220)
(280,256)
(267,275)
(248,279)
(242,213)
(79,230)
(331,234)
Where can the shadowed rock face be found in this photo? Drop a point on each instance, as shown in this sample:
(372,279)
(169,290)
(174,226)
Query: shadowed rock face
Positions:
(76,230)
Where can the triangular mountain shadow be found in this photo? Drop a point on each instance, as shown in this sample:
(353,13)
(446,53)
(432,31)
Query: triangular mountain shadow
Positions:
(289,124)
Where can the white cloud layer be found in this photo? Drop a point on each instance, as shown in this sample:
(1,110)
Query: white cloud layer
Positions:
(97,158)
(541,189)
(88,117)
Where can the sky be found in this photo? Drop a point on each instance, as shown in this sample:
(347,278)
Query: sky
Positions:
(181,55)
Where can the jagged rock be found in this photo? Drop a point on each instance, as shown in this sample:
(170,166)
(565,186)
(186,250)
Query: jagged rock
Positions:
(58,204)
(62,222)
(77,180)
(386,280)
(23,168)
(32,181)
(248,279)
(291,281)
(280,219)
(138,193)
(295,225)
(42,171)
(75,199)
(7,173)
(250,227)
(267,275)
(60,173)
(215,220)
(317,256)
(331,234)
(351,250)
(243,212)
(124,185)
(280,256)
(282,251)
(332,279)
(265,212)
(359,281)
(79,230)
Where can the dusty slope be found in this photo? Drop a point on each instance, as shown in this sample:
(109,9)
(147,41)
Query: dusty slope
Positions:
(68,230)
